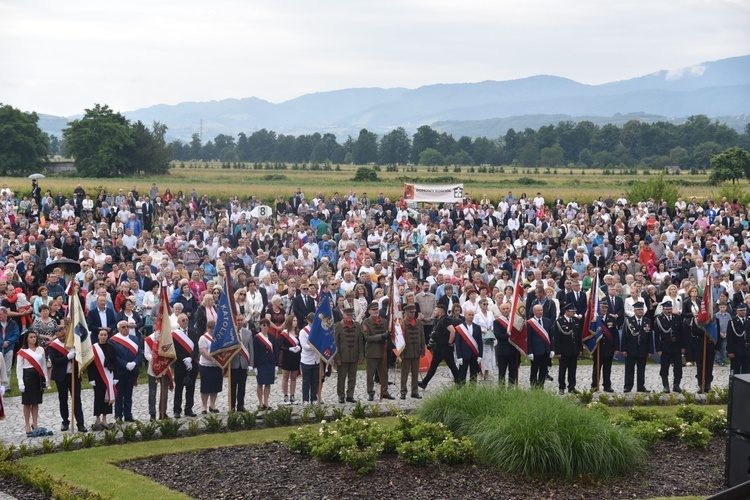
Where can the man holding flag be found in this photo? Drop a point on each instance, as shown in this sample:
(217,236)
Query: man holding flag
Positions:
(606,348)
(375,331)
(568,347)
(704,343)
(66,374)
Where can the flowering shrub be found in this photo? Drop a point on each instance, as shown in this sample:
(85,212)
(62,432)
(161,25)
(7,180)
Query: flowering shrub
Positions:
(717,423)
(455,451)
(690,413)
(419,453)
(695,435)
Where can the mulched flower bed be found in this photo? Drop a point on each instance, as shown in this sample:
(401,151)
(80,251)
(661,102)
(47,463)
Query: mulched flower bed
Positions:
(15,488)
(272,471)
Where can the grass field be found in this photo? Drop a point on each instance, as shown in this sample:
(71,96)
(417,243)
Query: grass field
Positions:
(584,185)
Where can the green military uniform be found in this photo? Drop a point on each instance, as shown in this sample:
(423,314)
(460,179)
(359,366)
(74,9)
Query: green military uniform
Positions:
(413,350)
(349,348)
(374,330)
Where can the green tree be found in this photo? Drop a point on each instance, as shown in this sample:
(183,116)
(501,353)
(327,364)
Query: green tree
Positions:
(23,146)
(425,137)
(459,158)
(656,188)
(702,154)
(196,147)
(150,153)
(553,156)
(395,147)
(366,148)
(99,142)
(431,156)
(733,164)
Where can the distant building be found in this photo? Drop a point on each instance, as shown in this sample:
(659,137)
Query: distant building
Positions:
(673,169)
(57,167)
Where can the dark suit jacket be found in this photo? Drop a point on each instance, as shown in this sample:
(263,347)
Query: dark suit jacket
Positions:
(580,304)
(93,321)
(444,300)
(59,364)
(302,305)
(463,350)
(617,306)
(537,346)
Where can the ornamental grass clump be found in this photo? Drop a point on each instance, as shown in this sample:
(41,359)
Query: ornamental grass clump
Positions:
(535,433)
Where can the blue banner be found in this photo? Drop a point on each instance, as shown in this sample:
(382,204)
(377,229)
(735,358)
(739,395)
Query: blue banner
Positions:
(226,340)
(321,336)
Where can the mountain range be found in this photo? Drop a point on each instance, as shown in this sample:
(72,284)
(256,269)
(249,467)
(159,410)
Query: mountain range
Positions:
(719,89)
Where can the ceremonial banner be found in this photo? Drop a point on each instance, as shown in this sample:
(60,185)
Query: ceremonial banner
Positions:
(226,339)
(705,317)
(163,353)
(78,334)
(321,336)
(517,328)
(442,193)
(592,324)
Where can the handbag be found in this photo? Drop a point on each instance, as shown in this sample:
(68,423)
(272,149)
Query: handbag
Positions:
(489,337)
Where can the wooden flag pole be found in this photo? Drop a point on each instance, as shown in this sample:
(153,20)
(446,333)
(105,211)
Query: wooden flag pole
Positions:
(163,398)
(320,378)
(229,383)
(703,371)
(598,364)
(73,395)
(384,364)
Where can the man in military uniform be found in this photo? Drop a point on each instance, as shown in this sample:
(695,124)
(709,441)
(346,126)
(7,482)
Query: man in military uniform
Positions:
(469,347)
(608,346)
(636,347)
(374,329)
(348,338)
(738,341)
(444,333)
(568,347)
(507,356)
(414,349)
(669,345)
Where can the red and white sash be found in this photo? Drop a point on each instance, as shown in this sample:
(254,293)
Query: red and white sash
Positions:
(468,338)
(266,342)
(59,347)
(503,322)
(105,374)
(184,341)
(539,330)
(290,338)
(126,343)
(33,362)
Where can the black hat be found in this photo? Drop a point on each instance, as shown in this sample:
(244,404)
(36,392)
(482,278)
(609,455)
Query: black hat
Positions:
(639,305)
(373,306)
(349,310)
(741,305)
(667,304)
(569,307)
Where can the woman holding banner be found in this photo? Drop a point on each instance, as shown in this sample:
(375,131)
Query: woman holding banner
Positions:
(32,379)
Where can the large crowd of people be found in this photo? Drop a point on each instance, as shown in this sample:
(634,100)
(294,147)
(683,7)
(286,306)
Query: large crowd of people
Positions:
(456,267)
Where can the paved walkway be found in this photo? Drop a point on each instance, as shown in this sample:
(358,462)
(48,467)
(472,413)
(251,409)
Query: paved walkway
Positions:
(12,428)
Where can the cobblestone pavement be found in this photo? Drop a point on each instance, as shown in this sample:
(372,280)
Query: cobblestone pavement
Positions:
(12,428)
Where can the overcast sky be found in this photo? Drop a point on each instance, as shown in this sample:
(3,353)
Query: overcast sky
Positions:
(62,57)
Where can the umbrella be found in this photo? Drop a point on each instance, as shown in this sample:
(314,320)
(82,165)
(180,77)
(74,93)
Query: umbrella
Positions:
(36,176)
(68,266)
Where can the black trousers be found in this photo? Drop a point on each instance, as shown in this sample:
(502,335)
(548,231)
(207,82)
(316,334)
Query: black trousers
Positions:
(710,355)
(539,370)
(740,364)
(605,370)
(181,376)
(239,383)
(674,359)
(440,354)
(630,368)
(63,390)
(509,363)
(567,365)
(470,366)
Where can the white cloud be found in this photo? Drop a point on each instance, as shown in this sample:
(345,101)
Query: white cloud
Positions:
(61,57)
(676,74)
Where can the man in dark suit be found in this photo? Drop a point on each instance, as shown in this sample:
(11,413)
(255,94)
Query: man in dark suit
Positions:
(101,317)
(506,354)
(607,347)
(739,296)
(538,296)
(568,347)
(63,364)
(669,345)
(637,347)
(185,366)
(541,341)
(148,213)
(738,341)
(469,347)
(449,299)
(303,304)
(615,308)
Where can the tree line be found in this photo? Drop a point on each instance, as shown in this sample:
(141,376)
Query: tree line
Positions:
(687,145)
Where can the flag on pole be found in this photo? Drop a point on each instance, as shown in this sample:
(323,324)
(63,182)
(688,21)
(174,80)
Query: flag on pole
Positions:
(592,320)
(78,336)
(705,317)
(397,331)
(226,340)
(517,336)
(163,353)
(321,336)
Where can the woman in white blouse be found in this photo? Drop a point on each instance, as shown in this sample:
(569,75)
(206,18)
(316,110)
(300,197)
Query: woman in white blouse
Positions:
(485,319)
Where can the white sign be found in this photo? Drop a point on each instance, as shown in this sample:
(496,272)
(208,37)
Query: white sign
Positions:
(261,212)
(445,193)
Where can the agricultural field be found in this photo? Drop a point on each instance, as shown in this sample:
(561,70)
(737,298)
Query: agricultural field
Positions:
(268,182)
